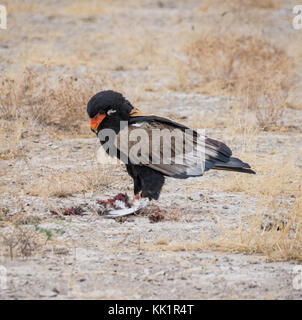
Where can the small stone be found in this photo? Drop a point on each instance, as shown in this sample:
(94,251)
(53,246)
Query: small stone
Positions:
(48,293)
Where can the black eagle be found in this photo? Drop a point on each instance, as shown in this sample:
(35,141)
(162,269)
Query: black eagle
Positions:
(109,109)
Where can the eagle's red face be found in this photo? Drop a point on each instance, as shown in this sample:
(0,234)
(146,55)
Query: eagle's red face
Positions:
(96,121)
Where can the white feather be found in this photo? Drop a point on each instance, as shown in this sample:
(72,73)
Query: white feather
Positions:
(111,111)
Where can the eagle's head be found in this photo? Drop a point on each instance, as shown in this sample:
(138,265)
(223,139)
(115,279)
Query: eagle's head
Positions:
(109,104)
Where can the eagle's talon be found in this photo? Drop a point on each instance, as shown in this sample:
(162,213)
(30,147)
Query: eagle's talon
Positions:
(136,197)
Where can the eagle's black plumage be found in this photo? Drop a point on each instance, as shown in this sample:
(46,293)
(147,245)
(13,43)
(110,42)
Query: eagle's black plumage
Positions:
(149,176)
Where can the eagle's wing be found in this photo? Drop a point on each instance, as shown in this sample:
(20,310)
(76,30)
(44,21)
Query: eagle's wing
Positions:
(186,154)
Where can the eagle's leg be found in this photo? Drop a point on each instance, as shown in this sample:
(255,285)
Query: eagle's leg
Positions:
(136,181)
(147,182)
(136,196)
(152,182)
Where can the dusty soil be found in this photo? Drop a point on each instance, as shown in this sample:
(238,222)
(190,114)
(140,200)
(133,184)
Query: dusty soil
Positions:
(89,256)
(137,259)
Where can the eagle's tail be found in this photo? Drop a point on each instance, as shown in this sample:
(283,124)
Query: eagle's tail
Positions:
(234,164)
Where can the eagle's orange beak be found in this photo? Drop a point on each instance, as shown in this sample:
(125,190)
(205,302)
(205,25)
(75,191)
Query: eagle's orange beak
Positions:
(96,121)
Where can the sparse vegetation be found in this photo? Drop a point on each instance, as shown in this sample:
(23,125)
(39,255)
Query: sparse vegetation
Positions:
(232,67)
(38,99)
(47,232)
(242,4)
(248,68)
(23,241)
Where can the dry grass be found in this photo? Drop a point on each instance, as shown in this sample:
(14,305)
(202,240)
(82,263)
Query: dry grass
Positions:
(275,236)
(26,6)
(269,101)
(22,236)
(272,226)
(248,68)
(241,4)
(278,238)
(275,178)
(227,60)
(11,135)
(80,8)
(64,183)
(59,103)
(22,240)
(162,241)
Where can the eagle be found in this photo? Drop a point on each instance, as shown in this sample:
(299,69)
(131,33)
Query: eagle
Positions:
(177,152)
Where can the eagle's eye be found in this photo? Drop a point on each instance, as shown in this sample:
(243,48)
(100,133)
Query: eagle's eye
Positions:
(110,112)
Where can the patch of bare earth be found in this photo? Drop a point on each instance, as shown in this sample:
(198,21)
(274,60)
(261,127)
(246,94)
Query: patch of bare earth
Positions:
(224,235)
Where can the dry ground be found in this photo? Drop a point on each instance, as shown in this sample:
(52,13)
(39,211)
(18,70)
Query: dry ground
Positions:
(234,69)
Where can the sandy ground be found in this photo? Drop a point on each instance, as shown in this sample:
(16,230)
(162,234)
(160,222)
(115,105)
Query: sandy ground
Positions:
(137,259)
(92,257)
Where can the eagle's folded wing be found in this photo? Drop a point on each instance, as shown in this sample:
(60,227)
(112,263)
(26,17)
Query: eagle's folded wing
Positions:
(172,150)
